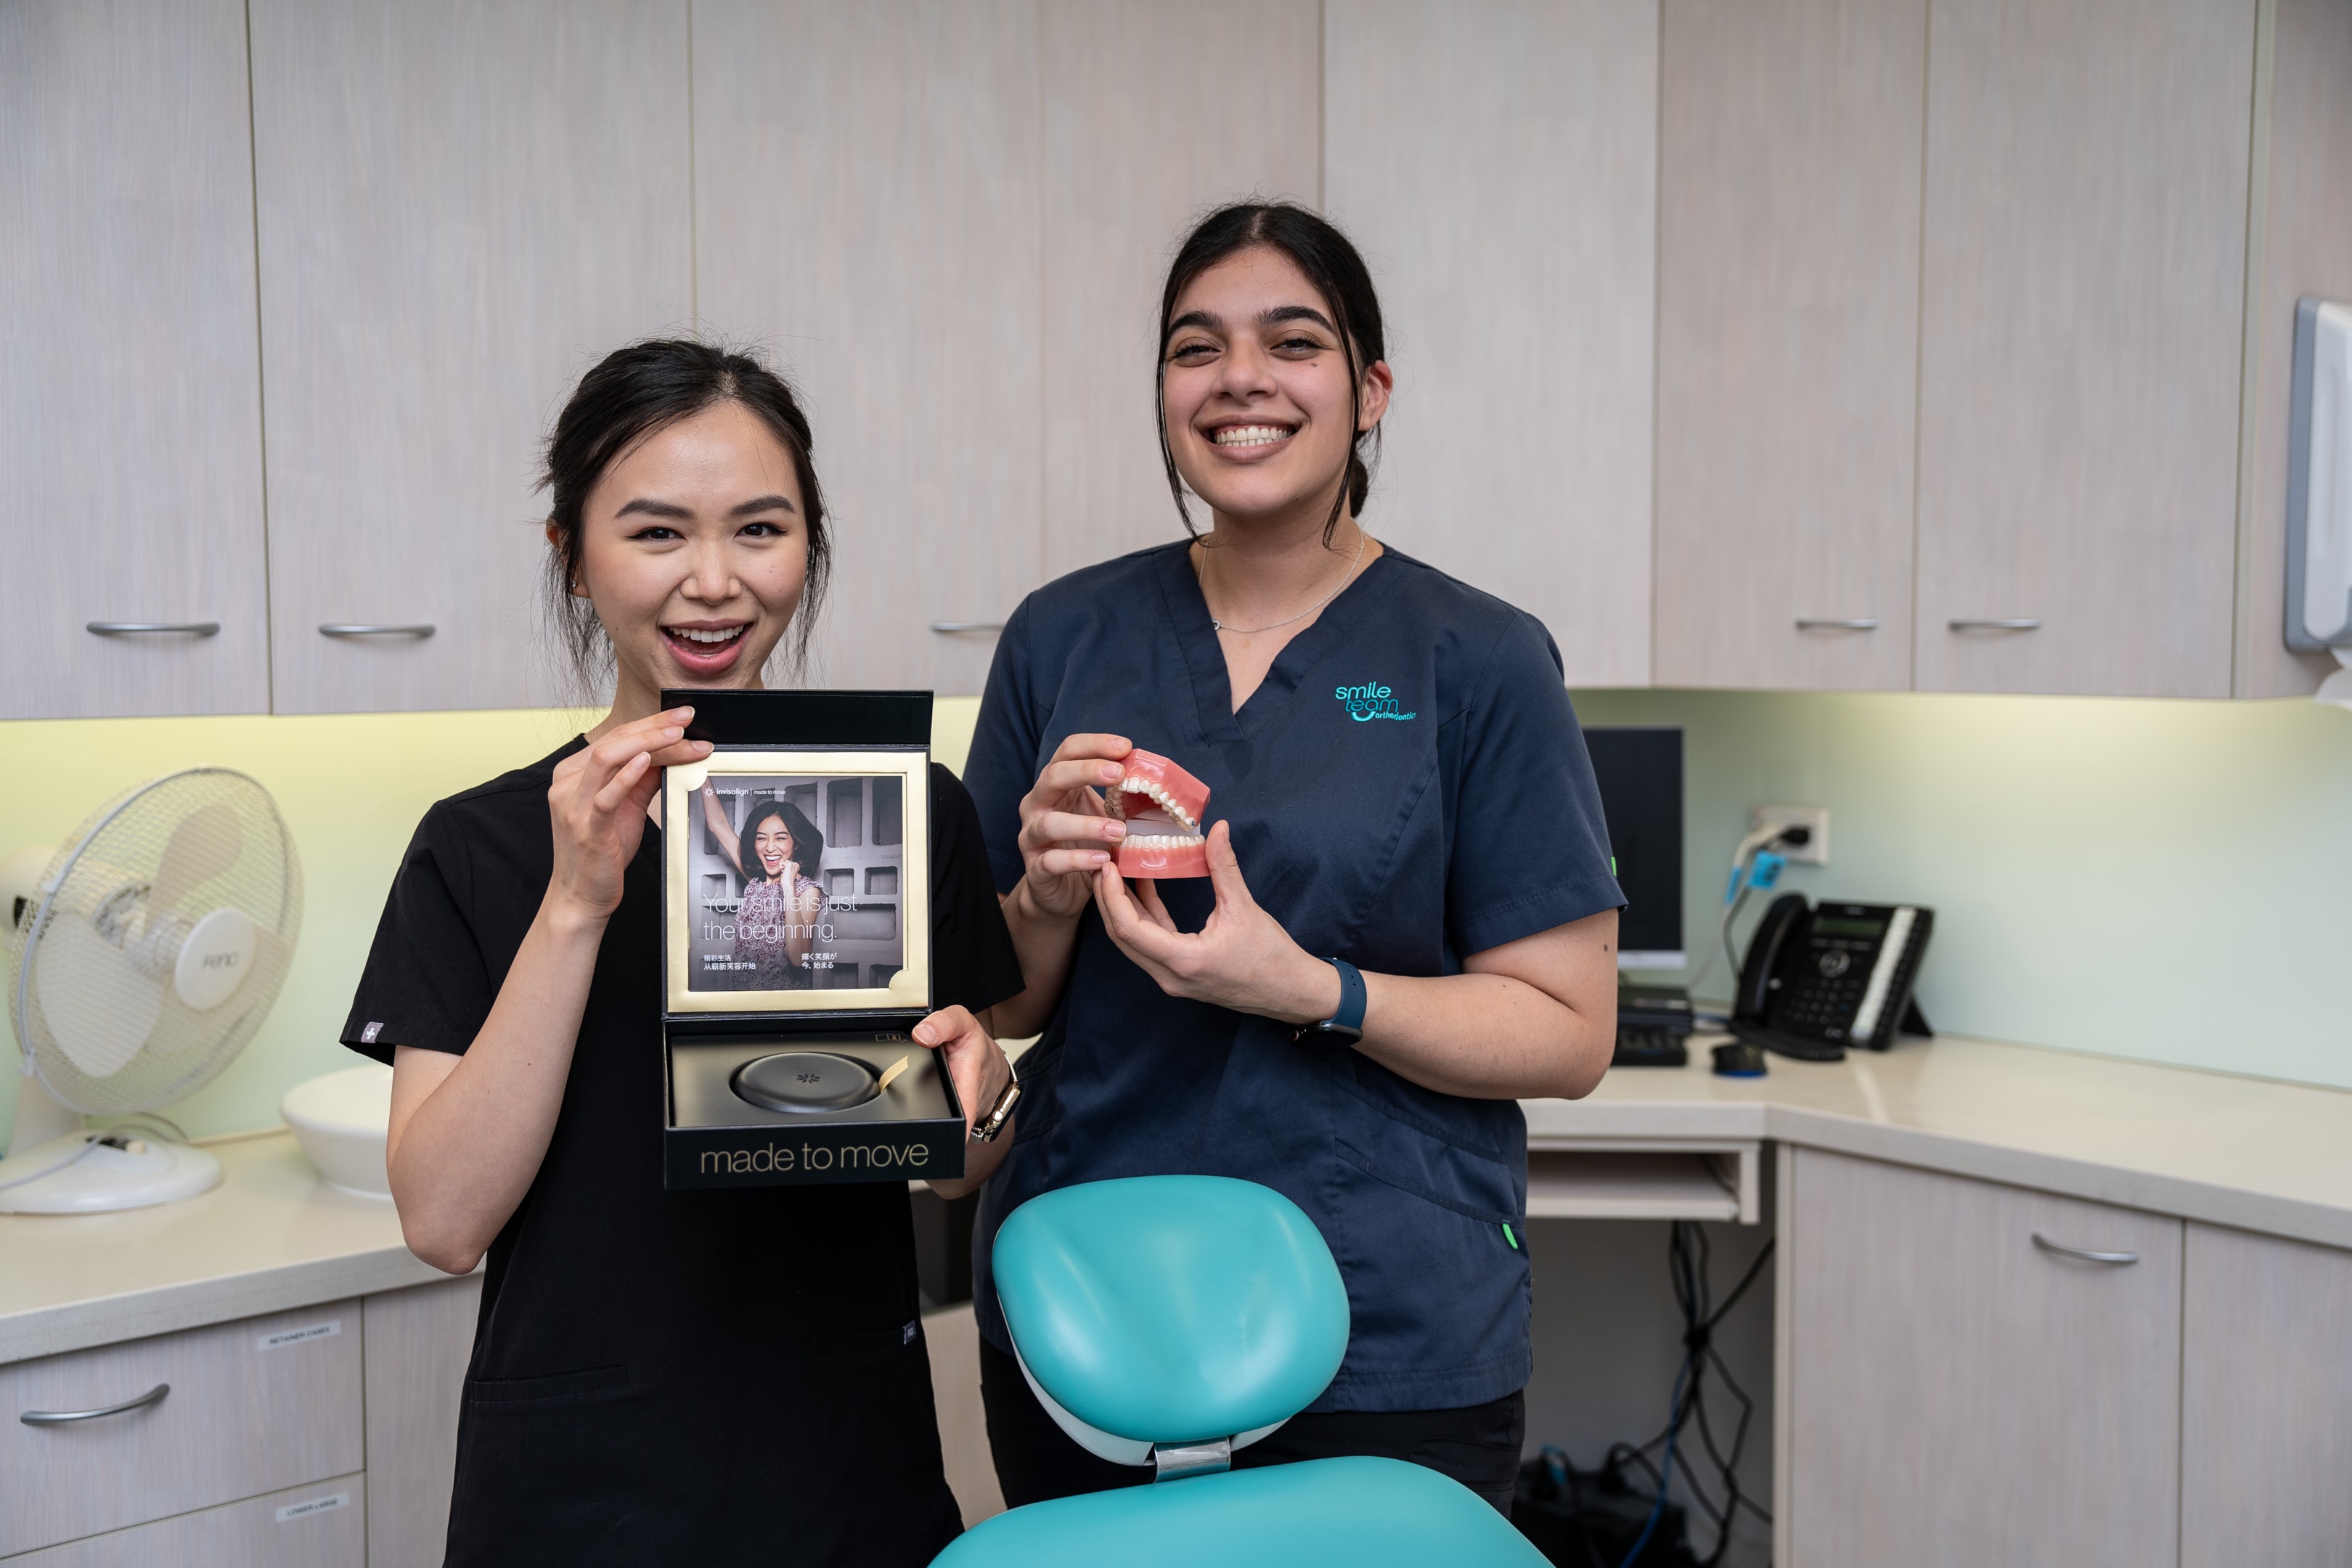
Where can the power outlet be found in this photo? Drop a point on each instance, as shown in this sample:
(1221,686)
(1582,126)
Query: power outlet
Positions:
(1815,851)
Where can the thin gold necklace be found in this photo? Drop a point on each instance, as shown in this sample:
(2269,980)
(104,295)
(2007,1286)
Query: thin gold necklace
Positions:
(1201,575)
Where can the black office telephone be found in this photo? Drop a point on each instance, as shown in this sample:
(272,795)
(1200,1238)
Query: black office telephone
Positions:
(1817,981)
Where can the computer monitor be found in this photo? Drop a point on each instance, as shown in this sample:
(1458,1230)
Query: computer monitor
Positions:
(1639,770)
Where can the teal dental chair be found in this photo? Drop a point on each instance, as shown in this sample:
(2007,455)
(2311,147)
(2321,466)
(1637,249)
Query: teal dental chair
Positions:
(1166,1322)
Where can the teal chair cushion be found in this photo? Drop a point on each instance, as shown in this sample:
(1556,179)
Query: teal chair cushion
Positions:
(1359,1513)
(1172,1309)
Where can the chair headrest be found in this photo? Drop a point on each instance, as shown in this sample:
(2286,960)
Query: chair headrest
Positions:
(1171,1308)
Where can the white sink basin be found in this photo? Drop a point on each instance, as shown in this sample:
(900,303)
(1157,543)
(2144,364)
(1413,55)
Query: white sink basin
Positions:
(340,1121)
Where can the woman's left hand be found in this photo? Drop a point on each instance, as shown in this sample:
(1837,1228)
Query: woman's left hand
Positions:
(1241,959)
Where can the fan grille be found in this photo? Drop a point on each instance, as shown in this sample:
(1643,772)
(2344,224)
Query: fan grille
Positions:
(91,983)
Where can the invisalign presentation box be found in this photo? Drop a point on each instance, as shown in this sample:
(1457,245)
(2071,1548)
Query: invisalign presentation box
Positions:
(796,944)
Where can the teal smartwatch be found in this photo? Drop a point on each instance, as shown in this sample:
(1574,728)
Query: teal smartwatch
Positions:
(1345,1027)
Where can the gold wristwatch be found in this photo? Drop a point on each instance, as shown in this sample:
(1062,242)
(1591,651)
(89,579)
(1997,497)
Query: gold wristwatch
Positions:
(985,1129)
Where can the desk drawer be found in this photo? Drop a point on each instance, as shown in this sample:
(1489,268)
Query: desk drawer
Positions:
(254,1406)
(322,1525)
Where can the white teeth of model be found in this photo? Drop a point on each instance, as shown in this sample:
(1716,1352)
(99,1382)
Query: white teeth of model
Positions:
(1159,797)
(1165,841)
(696,634)
(1251,436)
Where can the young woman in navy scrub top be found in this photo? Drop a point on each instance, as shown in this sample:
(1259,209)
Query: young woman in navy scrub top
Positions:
(1398,783)
(692,1377)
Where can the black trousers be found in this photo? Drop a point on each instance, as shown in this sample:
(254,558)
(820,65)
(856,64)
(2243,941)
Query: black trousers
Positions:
(1036,1459)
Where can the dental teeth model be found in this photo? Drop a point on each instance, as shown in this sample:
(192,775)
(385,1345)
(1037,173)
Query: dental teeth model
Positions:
(1162,805)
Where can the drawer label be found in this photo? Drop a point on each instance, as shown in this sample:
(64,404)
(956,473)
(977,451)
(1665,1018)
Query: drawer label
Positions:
(285,1337)
(310,1506)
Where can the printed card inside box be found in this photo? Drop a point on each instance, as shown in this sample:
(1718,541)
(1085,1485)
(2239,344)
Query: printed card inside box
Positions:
(797,937)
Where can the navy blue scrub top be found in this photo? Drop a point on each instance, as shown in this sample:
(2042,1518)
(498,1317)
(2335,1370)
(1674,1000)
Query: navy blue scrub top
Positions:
(1407,785)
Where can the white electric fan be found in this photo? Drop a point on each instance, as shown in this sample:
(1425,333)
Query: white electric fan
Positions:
(142,957)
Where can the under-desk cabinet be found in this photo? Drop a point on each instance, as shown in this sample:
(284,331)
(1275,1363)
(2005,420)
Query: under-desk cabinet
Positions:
(318,1437)
(1974,1373)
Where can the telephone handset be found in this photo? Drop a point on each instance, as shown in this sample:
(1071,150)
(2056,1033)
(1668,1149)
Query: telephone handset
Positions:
(1817,981)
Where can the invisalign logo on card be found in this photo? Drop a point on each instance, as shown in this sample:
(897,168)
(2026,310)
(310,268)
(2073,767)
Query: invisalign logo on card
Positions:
(1369,701)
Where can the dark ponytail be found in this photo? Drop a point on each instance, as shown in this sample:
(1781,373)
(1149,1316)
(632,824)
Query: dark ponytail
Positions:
(1339,273)
(632,392)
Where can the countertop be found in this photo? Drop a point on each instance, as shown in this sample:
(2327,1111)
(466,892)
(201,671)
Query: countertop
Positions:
(2250,1153)
(272,1236)
(2263,1156)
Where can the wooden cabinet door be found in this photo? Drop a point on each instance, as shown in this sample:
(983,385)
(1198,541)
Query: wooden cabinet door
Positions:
(2084,295)
(865,209)
(1151,118)
(2266,1401)
(1497,166)
(1956,1395)
(1788,342)
(130,387)
(419,1342)
(462,207)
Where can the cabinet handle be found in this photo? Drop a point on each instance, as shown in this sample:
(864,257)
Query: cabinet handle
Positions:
(339,629)
(1851,624)
(2015,623)
(957,628)
(148,628)
(2118,1259)
(60,1417)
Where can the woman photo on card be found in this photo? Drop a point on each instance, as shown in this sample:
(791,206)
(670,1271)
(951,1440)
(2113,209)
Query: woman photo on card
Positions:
(1376,908)
(776,854)
(721,1376)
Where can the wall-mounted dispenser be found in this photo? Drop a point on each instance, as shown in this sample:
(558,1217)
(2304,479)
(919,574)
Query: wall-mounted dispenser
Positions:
(2319,492)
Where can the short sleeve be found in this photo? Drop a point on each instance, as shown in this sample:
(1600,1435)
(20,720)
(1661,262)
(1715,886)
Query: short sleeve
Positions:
(426,983)
(1003,761)
(1523,763)
(973,963)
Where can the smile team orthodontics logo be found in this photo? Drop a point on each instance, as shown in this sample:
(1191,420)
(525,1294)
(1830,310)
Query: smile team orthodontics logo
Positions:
(1367,702)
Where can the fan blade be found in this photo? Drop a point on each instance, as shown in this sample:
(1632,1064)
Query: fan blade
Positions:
(99,1007)
(202,848)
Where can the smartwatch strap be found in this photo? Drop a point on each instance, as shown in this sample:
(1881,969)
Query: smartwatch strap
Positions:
(1346,1023)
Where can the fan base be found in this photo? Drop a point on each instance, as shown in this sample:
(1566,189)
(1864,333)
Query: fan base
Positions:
(105,1179)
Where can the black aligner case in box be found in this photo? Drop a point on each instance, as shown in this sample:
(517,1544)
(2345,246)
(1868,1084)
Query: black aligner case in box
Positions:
(786,1007)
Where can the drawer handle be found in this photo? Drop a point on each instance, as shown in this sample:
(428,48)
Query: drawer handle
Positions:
(2014,624)
(2117,1259)
(340,630)
(1851,624)
(60,1417)
(153,629)
(958,628)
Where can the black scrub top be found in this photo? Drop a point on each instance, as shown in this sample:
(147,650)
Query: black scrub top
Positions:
(1407,785)
(704,1377)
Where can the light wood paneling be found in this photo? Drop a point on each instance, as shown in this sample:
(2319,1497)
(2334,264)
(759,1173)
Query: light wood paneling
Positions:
(2084,263)
(418,1343)
(1499,170)
(239,1419)
(130,388)
(462,207)
(323,1528)
(1787,339)
(952,1338)
(1956,1395)
(2266,1401)
(867,209)
(2305,240)
(1152,117)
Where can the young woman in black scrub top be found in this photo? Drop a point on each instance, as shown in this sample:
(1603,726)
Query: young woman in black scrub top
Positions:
(1410,919)
(698,1377)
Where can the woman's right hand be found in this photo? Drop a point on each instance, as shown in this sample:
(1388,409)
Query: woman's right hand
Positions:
(1067,832)
(597,804)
